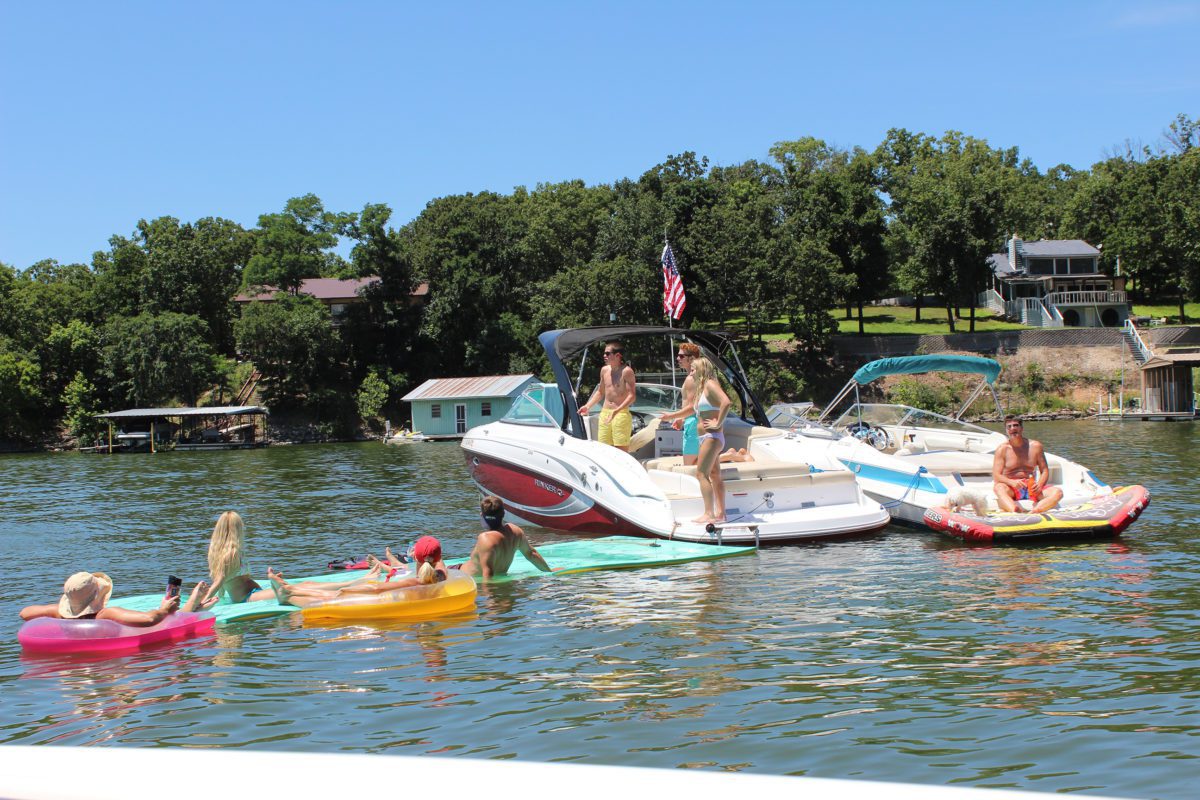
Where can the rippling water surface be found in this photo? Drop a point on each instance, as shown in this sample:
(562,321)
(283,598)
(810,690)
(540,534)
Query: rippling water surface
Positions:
(902,656)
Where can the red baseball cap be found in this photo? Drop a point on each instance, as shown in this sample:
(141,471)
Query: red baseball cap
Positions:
(427,548)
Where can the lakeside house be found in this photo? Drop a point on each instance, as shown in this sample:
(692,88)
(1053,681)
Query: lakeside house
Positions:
(446,408)
(1054,283)
(336,293)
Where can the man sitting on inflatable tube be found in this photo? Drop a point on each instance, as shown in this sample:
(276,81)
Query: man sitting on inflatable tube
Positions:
(427,553)
(85,595)
(1020,472)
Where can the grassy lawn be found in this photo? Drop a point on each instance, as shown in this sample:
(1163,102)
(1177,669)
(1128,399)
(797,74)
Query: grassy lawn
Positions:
(890,320)
(1169,312)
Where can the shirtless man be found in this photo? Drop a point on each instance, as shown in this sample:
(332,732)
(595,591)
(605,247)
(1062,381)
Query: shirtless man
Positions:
(1017,462)
(495,547)
(619,387)
(685,418)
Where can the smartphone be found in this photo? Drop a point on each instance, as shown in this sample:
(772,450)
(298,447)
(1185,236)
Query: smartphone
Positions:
(173,585)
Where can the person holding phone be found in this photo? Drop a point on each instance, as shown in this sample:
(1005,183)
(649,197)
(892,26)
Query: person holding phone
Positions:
(86,594)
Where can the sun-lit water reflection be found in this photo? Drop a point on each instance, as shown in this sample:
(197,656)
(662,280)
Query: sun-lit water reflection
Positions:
(905,656)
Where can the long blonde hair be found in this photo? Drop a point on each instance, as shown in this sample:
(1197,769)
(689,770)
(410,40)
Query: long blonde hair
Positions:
(426,574)
(703,371)
(225,547)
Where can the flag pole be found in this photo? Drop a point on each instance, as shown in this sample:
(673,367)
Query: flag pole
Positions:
(670,322)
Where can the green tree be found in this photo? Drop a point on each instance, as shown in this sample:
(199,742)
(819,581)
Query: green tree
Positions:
(152,359)
(294,344)
(194,268)
(296,244)
(813,284)
(21,400)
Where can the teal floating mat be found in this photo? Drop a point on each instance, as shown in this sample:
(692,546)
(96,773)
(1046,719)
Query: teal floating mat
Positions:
(617,552)
(565,558)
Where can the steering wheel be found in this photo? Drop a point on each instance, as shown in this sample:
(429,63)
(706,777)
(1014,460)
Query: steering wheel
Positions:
(639,421)
(873,435)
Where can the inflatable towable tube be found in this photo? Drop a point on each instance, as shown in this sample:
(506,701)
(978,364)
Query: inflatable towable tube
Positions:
(49,635)
(456,593)
(1102,516)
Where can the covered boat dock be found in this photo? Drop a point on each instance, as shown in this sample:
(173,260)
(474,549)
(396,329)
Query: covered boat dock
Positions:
(212,428)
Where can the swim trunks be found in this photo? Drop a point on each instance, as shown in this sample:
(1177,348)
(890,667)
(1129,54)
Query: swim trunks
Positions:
(1029,491)
(691,439)
(615,429)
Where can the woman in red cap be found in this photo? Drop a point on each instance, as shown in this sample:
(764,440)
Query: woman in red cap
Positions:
(427,553)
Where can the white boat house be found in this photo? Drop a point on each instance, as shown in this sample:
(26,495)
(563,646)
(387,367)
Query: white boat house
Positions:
(446,408)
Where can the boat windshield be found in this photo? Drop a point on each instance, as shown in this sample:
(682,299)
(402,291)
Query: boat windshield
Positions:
(656,398)
(903,416)
(528,411)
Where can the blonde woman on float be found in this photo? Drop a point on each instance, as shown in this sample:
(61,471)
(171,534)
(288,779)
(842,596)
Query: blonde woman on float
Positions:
(231,579)
(712,406)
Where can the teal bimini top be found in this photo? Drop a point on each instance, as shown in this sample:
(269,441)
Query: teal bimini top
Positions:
(914,365)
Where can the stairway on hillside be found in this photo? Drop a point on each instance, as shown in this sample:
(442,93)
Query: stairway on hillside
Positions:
(1131,343)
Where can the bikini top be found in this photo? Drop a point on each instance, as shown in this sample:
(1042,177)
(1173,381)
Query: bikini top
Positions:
(703,406)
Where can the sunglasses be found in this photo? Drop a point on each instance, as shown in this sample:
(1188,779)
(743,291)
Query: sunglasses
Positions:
(612,352)
(682,355)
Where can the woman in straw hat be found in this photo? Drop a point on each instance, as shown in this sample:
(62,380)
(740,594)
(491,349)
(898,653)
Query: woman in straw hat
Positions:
(85,595)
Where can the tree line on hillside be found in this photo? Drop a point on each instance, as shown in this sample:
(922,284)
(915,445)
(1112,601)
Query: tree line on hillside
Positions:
(151,320)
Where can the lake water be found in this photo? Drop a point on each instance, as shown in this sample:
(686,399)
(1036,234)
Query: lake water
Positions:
(904,656)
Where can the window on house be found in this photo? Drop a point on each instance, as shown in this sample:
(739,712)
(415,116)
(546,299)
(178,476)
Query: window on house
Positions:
(435,411)
(1083,266)
(485,408)
(1041,266)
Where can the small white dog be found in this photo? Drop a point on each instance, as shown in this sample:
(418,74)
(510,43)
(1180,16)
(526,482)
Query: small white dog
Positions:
(960,498)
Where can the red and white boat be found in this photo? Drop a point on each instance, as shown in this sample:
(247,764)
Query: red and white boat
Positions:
(543,461)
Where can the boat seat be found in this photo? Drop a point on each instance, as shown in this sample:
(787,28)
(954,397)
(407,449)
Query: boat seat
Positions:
(755,471)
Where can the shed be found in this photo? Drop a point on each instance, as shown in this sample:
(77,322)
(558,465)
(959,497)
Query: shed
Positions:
(1167,386)
(449,407)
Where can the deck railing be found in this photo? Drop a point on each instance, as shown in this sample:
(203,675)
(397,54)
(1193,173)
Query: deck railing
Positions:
(1085,298)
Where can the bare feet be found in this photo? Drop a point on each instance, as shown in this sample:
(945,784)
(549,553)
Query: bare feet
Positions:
(283,591)
(395,562)
(373,562)
(703,518)
(194,599)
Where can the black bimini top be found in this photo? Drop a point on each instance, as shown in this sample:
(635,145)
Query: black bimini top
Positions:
(561,345)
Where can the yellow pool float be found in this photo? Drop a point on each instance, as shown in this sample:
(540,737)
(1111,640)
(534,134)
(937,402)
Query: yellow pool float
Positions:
(455,594)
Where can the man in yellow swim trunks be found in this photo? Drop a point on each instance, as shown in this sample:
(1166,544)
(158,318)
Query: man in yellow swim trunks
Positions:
(619,386)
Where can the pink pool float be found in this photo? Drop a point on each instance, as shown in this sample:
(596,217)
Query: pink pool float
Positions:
(55,636)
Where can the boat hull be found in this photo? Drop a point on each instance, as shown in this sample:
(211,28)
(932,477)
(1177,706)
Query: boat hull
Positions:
(1103,516)
(545,500)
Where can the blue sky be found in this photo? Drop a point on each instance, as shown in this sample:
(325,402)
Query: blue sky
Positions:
(113,112)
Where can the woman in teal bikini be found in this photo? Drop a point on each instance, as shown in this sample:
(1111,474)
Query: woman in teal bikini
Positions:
(712,406)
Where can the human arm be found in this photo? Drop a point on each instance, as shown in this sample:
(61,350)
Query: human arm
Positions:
(688,407)
(586,408)
(1039,458)
(532,554)
(141,619)
(713,388)
(34,612)
(214,590)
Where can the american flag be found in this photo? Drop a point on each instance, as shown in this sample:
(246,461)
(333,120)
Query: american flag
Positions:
(674,298)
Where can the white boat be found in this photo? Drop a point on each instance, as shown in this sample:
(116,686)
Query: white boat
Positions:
(910,459)
(543,461)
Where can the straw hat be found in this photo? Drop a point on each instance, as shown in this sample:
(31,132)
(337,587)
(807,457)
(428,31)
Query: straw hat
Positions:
(84,593)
